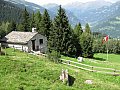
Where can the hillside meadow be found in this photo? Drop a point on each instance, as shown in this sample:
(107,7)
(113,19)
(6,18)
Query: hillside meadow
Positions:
(22,71)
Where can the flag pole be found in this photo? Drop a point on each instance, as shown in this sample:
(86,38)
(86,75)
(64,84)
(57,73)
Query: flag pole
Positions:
(107,52)
(107,46)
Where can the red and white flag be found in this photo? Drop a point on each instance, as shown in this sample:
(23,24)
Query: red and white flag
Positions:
(105,39)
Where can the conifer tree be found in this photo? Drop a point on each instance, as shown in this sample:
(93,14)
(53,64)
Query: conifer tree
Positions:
(87,28)
(86,42)
(19,27)
(32,21)
(62,34)
(45,24)
(11,27)
(4,29)
(26,20)
(78,30)
(37,18)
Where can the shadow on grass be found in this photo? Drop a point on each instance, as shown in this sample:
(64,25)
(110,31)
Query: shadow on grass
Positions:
(72,56)
(100,59)
(71,80)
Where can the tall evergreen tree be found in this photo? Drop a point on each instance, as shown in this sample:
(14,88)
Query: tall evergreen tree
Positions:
(87,28)
(62,34)
(4,29)
(86,42)
(37,18)
(45,24)
(19,27)
(26,20)
(32,21)
(11,27)
(78,30)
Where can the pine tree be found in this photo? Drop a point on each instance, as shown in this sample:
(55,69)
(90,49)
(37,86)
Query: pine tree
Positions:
(11,27)
(87,28)
(4,29)
(32,21)
(19,27)
(26,21)
(45,24)
(78,30)
(62,34)
(37,18)
(86,42)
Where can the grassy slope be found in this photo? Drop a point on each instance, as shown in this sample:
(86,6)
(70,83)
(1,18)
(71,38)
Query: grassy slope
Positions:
(100,60)
(19,70)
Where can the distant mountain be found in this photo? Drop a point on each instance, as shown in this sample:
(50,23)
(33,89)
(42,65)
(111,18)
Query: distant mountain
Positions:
(86,11)
(72,18)
(30,6)
(16,1)
(103,16)
(9,12)
(110,27)
(111,22)
(88,5)
(50,5)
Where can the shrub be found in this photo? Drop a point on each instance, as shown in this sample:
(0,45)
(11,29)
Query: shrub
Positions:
(54,56)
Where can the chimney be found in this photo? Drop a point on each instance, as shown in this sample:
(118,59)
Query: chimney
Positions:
(33,29)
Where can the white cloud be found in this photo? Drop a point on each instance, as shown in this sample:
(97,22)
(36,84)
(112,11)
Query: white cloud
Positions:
(113,0)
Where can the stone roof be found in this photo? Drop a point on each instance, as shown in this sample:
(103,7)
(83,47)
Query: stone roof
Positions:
(18,37)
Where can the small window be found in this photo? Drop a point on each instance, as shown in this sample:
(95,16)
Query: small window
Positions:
(41,41)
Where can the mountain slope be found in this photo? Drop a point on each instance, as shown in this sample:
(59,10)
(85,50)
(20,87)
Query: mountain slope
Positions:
(110,27)
(30,6)
(111,24)
(72,18)
(102,16)
(9,11)
(86,11)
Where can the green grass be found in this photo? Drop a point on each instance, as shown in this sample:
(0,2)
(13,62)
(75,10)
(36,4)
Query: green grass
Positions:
(100,60)
(20,70)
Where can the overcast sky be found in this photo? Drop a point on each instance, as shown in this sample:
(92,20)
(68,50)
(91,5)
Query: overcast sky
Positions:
(62,2)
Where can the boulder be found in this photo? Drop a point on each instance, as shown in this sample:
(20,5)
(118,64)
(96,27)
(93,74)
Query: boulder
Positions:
(80,59)
(89,82)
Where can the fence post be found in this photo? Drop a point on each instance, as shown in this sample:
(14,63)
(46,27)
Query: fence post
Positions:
(5,51)
(13,48)
(92,69)
(114,72)
(68,62)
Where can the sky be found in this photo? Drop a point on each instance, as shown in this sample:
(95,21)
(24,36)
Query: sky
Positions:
(60,2)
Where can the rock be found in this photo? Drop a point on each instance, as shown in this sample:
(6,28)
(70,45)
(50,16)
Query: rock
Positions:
(80,59)
(64,75)
(89,82)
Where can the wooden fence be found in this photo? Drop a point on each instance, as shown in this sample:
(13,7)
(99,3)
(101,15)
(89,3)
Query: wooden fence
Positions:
(90,68)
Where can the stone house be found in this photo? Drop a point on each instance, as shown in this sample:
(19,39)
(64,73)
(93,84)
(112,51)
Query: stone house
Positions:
(25,41)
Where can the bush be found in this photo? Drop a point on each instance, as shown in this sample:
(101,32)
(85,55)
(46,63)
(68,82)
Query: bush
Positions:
(54,56)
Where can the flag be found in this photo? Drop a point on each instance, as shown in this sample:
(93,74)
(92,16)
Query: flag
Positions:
(105,39)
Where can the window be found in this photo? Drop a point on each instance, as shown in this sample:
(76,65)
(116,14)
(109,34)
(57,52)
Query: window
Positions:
(41,41)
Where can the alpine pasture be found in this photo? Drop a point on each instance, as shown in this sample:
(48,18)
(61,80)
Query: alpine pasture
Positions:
(22,71)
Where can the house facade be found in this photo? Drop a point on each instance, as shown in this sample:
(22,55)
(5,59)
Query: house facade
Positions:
(25,41)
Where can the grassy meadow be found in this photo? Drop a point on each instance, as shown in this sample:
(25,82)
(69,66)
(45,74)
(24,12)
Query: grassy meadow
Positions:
(22,71)
(100,60)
